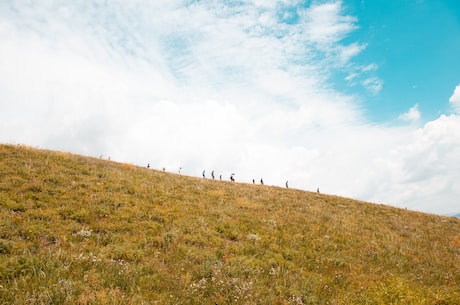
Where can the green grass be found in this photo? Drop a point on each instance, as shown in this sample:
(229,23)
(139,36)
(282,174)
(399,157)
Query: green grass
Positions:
(79,230)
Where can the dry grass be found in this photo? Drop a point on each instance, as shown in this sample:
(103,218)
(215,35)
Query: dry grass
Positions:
(77,230)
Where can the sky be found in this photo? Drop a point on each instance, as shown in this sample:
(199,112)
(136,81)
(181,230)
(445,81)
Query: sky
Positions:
(358,98)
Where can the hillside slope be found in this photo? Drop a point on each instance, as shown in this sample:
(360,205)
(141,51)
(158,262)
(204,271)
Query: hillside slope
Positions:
(78,230)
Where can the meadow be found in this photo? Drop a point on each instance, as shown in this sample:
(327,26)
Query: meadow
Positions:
(80,230)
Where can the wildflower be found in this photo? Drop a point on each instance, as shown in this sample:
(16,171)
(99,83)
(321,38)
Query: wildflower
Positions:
(200,285)
(272,223)
(252,236)
(84,233)
(294,299)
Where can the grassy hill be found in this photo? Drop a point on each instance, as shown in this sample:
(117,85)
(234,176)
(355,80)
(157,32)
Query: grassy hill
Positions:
(79,230)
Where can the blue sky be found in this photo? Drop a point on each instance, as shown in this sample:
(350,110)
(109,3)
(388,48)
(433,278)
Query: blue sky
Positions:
(358,98)
(414,44)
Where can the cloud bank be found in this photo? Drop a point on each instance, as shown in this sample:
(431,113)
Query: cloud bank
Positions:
(241,88)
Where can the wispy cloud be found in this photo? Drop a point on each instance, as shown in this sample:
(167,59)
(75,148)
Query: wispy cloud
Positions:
(373,84)
(235,87)
(365,76)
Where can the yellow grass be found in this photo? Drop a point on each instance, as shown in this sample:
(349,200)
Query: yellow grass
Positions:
(78,230)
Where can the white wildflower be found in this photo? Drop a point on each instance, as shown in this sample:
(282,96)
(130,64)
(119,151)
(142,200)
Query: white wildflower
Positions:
(272,223)
(84,233)
(252,236)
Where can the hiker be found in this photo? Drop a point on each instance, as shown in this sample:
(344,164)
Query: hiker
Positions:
(204,173)
(253,181)
(287,186)
(180,169)
(220,177)
(212,175)
(317,190)
(261,181)
(231,178)
(148,165)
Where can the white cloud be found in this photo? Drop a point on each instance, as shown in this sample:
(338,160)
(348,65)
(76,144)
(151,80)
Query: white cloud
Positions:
(426,168)
(412,115)
(234,88)
(326,24)
(455,98)
(348,52)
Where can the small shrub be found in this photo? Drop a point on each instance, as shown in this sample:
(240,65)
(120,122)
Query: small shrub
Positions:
(5,247)
(123,255)
(81,216)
